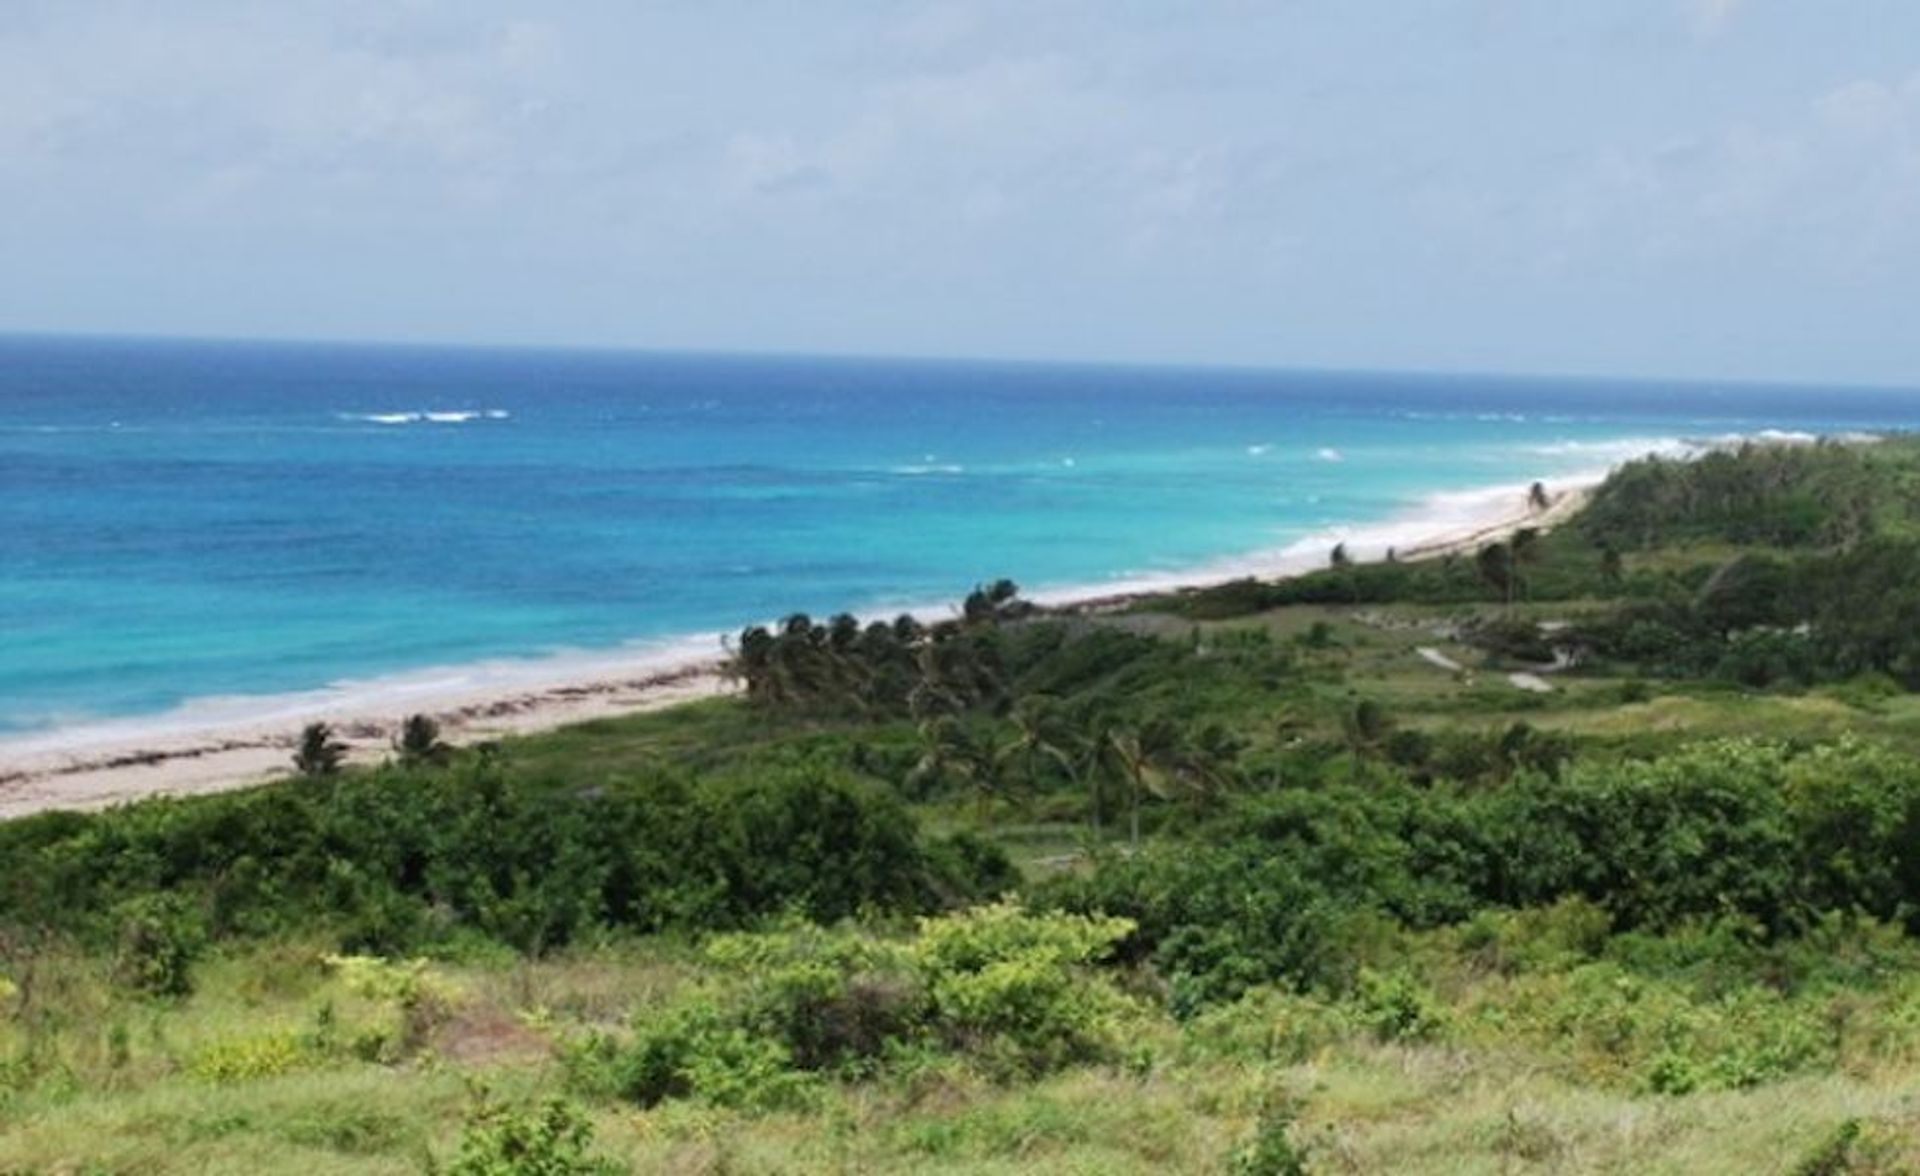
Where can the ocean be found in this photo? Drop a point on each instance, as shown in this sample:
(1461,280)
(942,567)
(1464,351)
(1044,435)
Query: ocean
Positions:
(190,524)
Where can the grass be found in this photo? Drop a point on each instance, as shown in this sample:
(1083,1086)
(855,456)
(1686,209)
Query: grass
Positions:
(1472,1102)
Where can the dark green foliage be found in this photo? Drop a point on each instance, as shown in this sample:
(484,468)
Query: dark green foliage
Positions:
(1277,890)
(319,753)
(397,858)
(159,937)
(905,667)
(1511,639)
(1771,495)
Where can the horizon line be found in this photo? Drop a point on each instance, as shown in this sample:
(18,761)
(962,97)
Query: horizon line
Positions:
(1173,365)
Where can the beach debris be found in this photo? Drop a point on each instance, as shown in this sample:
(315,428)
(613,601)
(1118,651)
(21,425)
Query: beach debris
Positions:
(1532,683)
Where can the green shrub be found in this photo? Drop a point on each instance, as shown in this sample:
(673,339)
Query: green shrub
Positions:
(1271,1025)
(160,937)
(242,1059)
(1397,1007)
(1271,1151)
(1009,985)
(1009,990)
(555,1139)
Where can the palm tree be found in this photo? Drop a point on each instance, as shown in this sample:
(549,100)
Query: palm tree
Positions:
(1144,755)
(1205,763)
(319,753)
(1092,755)
(989,603)
(1038,738)
(932,693)
(419,741)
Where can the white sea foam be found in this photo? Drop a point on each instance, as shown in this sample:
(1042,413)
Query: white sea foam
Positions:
(386,696)
(1619,449)
(1259,450)
(1328,454)
(936,468)
(447,416)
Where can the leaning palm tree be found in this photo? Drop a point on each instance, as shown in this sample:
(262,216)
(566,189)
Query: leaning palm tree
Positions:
(319,753)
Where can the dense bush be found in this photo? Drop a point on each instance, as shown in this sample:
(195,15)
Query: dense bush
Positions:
(398,858)
(1283,888)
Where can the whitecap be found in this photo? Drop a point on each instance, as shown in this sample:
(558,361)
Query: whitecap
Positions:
(443,416)
(1328,454)
(916,470)
(1259,450)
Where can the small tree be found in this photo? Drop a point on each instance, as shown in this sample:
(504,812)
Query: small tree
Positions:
(319,753)
(1612,567)
(419,741)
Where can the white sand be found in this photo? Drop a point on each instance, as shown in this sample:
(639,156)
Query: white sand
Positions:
(246,741)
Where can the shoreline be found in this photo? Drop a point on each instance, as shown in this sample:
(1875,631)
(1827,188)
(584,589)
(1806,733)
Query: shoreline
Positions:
(99,765)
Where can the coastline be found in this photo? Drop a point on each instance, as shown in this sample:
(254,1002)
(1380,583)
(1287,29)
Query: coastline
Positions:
(183,753)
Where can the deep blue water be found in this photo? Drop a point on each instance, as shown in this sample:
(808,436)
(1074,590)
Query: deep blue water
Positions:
(181,520)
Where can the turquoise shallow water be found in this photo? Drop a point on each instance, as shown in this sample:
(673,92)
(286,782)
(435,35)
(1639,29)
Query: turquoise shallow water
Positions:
(185,520)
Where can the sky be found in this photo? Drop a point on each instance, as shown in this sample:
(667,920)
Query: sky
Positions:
(1701,188)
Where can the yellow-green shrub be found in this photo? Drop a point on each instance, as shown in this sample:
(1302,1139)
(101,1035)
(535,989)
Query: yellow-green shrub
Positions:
(259,1055)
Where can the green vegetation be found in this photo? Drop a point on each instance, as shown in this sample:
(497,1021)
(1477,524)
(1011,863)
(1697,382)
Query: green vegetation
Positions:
(1270,878)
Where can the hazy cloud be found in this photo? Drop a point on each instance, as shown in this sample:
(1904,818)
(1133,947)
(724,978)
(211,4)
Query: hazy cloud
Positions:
(1438,182)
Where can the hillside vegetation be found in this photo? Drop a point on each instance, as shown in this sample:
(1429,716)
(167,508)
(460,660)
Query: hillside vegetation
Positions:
(1268,878)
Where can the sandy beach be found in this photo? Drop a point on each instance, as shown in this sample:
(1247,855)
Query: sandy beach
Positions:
(109,763)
